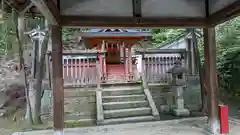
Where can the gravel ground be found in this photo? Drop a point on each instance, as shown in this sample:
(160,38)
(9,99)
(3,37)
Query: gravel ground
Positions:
(189,126)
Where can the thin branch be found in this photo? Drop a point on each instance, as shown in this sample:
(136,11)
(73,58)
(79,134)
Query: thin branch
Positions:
(9,3)
(25,9)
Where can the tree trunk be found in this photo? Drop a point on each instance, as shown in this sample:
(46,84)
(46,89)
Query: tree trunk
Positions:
(39,77)
(20,25)
(204,93)
(201,72)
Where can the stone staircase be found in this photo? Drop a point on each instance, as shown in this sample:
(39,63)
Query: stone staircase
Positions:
(126,102)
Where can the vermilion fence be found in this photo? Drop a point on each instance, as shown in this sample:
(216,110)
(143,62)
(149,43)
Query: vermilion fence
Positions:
(85,71)
(80,71)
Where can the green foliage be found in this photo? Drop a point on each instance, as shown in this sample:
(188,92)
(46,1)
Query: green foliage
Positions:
(228,55)
(228,51)
(69,33)
(7,39)
(161,36)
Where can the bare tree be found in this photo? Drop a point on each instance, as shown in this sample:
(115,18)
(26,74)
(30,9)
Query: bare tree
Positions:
(20,26)
(39,77)
(201,72)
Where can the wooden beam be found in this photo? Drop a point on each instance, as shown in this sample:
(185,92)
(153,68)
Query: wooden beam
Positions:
(211,77)
(11,4)
(162,51)
(57,82)
(80,52)
(137,8)
(26,7)
(97,21)
(227,13)
(49,10)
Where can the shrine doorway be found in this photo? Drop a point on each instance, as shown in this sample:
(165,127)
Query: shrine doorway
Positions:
(115,63)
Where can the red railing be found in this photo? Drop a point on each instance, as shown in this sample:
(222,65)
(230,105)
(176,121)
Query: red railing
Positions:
(80,72)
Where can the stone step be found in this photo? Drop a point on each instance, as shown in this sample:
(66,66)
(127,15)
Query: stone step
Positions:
(128,120)
(121,84)
(79,123)
(119,92)
(124,98)
(116,88)
(125,105)
(143,111)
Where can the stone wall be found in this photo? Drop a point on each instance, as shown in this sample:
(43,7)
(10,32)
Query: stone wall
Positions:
(80,105)
(192,93)
(164,98)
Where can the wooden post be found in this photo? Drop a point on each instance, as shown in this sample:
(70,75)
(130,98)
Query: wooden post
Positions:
(130,62)
(34,54)
(57,73)
(193,58)
(104,45)
(99,57)
(143,68)
(211,77)
(49,70)
(126,64)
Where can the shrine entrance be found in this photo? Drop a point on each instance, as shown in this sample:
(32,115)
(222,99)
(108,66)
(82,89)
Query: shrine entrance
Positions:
(116,61)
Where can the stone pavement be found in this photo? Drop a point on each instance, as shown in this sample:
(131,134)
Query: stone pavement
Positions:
(189,126)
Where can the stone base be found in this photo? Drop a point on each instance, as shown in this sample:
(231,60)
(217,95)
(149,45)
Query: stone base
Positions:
(164,108)
(58,132)
(181,112)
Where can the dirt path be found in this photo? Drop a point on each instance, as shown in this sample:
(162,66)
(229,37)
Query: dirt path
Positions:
(189,126)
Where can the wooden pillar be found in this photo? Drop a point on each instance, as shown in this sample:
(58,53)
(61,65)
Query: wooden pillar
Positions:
(130,62)
(104,45)
(125,61)
(57,73)
(211,77)
(99,46)
(188,60)
(143,66)
(193,58)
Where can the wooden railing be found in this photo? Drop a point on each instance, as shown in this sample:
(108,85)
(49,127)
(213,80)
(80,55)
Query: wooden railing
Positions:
(80,72)
(158,62)
(81,68)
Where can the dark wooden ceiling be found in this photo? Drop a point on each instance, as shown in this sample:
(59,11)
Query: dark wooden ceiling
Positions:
(19,5)
(78,14)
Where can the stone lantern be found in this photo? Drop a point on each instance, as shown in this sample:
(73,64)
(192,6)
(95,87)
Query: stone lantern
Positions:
(178,82)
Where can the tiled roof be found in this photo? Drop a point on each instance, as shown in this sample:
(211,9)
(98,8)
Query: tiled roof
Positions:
(114,30)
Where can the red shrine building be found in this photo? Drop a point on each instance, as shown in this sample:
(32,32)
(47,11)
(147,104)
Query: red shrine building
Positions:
(112,50)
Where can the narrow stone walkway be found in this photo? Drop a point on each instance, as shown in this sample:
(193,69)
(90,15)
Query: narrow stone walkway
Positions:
(189,126)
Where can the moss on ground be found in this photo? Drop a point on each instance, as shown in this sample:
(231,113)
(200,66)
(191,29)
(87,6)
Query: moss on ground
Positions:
(73,124)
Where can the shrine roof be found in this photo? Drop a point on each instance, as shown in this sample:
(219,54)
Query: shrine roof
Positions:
(108,33)
(177,40)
